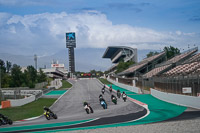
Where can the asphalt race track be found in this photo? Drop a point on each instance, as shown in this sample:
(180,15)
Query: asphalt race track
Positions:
(70,108)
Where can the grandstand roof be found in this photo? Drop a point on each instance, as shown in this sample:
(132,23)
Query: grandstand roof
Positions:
(113,52)
(141,64)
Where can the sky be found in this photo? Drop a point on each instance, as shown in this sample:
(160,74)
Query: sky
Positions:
(29,27)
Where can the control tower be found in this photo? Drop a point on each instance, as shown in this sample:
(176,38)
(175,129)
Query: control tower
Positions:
(71,44)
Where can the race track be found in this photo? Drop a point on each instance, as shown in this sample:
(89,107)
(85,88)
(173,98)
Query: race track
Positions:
(70,108)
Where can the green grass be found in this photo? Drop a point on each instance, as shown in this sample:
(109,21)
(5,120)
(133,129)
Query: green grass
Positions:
(65,85)
(29,110)
(104,81)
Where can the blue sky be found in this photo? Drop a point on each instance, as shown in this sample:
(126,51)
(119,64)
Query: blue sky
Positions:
(30,27)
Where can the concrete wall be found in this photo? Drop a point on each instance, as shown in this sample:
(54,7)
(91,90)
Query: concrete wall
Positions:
(57,83)
(128,87)
(20,102)
(188,101)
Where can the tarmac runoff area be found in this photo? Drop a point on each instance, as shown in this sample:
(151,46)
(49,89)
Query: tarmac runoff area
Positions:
(159,111)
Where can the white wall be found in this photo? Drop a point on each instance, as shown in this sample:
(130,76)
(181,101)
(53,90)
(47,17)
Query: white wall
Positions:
(20,102)
(128,87)
(57,83)
(188,101)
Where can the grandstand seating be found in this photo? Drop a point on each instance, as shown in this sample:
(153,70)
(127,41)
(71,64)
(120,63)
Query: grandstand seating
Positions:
(156,71)
(184,69)
(193,58)
(165,66)
(142,63)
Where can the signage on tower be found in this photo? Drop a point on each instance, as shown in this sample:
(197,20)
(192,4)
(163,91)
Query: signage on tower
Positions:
(70,40)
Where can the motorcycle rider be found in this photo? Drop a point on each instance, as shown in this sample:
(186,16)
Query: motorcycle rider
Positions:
(46,109)
(124,96)
(86,105)
(110,89)
(3,117)
(103,89)
(114,99)
(118,93)
(101,98)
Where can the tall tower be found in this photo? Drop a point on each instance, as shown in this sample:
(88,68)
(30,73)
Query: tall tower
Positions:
(35,59)
(71,44)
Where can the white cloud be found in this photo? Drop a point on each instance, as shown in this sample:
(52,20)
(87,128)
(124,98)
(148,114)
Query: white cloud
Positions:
(45,33)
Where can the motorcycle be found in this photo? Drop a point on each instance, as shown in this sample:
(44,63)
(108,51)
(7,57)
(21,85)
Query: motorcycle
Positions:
(118,94)
(110,89)
(124,97)
(114,99)
(103,91)
(88,109)
(50,115)
(5,120)
(103,104)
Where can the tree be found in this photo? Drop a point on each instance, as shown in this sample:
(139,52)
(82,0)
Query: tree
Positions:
(171,51)
(16,76)
(41,76)
(30,76)
(151,54)
(4,77)
(8,66)
(123,66)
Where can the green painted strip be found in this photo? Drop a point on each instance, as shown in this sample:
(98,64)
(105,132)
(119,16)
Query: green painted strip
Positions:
(43,125)
(57,92)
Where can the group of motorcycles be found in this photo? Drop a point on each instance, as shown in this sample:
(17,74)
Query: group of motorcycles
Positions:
(102,101)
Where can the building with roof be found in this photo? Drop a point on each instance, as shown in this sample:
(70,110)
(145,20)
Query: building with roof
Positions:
(57,71)
(118,53)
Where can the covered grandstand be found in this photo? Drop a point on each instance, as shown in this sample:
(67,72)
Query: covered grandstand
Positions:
(171,63)
(117,53)
(144,66)
(171,76)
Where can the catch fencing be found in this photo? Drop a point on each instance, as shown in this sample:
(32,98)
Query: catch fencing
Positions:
(176,85)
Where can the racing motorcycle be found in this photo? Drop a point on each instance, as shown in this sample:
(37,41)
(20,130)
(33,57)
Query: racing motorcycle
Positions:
(114,99)
(5,120)
(88,109)
(103,91)
(50,115)
(103,104)
(118,94)
(124,96)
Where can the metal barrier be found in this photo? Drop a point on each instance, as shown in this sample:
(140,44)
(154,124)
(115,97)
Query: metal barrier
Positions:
(172,84)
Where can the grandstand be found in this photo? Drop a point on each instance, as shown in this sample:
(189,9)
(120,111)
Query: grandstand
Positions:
(144,66)
(118,53)
(171,63)
(171,76)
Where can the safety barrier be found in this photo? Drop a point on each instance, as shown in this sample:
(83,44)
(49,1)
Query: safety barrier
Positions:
(20,102)
(5,104)
(184,100)
(128,87)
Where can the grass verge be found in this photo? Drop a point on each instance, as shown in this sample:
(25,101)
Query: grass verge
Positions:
(104,81)
(65,84)
(29,110)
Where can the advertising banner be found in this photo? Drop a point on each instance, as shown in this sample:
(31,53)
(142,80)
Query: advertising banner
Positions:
(70,40)
(187,90)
